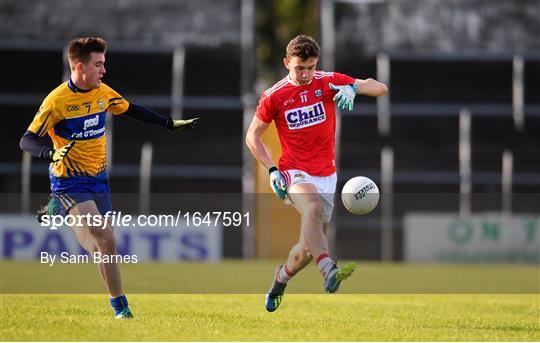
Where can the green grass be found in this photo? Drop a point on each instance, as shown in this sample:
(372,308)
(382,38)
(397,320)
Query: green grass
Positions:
(352,315)
(213,317)
(253,277)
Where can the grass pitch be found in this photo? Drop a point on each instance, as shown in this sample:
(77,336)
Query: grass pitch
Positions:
(242,317)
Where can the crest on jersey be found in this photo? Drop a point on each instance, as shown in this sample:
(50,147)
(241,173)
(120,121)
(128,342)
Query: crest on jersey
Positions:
(318,92)
(101,104)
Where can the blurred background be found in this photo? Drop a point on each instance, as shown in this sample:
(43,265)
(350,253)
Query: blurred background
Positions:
(454,146)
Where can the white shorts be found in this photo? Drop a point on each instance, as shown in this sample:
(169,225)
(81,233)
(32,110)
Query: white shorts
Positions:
(326,186)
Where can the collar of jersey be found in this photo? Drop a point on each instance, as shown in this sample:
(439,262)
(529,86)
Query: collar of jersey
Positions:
(76,89)
(291,81)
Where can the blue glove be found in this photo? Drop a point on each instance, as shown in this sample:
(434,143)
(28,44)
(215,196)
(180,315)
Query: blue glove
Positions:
(277,182)
(345,96)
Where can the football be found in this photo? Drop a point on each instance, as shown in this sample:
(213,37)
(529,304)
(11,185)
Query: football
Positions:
(360,195)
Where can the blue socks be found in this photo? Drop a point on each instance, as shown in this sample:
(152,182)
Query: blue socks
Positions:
(118,303)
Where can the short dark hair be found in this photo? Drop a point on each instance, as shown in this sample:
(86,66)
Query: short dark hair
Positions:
(304,47)
(79,49)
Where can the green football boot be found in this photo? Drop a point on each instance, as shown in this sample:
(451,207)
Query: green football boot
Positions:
(124,314)
(338,274)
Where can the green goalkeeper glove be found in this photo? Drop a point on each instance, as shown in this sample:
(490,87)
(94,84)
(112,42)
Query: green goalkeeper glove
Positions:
(181,125)
(277,182)
(345,96)
(59,154)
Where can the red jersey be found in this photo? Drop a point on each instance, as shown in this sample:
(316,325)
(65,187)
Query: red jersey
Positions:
(305,118)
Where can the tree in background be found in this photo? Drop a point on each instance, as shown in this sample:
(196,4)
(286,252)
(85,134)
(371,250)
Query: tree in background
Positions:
(276,23)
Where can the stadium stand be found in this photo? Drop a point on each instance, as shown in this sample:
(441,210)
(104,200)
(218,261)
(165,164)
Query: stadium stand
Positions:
(427,90)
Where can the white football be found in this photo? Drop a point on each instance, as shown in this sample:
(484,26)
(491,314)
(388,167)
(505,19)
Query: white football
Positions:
(360,195)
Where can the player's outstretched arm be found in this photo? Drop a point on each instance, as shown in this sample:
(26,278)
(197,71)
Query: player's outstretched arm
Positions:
(149,116)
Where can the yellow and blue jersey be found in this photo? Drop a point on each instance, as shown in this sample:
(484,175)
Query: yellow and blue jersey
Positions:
(70,114)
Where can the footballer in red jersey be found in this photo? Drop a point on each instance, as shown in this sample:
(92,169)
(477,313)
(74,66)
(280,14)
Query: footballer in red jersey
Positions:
(303,108)
(305,117)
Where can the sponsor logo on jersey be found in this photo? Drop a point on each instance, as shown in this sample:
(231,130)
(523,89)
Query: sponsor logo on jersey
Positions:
(306,116)
(88,134)
(85,127)
(94,121)
(72,108)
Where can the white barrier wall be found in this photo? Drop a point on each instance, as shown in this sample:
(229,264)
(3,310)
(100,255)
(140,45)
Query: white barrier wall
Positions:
(23,238)
(485,237)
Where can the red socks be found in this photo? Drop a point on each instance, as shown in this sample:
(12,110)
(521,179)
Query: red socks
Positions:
(325,264)
(284,275)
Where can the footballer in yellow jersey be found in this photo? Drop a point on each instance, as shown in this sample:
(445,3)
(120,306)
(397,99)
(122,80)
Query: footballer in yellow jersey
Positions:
(73,115)
(69,114)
